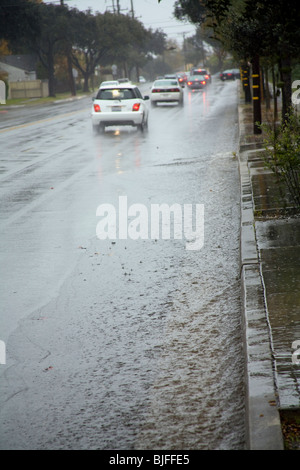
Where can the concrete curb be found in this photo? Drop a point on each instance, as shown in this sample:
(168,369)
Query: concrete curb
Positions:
(263,426)
(72,98)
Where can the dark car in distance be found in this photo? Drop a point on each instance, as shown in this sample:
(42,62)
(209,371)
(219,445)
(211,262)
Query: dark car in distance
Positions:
(230,74)
(200,71)
(196,82)
(182,78)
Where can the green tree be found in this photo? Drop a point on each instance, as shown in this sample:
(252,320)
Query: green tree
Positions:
(105,39)
(251,29)
(88,45)
(19,20)
(38,25)
(282,153)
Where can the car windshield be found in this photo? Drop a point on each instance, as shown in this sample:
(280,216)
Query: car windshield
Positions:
(163,83)
(109,83)
(199,72)
(115,94)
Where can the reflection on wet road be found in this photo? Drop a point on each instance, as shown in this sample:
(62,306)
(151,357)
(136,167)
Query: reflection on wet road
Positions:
(124,344)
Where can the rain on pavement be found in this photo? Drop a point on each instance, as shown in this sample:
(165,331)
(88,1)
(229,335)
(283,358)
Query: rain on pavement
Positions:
(124,344)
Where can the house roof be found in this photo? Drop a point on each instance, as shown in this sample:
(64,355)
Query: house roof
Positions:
(22,61)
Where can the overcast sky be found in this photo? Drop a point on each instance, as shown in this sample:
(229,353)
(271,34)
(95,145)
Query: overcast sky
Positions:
(151,13)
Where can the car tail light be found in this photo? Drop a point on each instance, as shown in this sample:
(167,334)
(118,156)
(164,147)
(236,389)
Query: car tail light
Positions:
(136,106)
(156,90)
(203,82)
(174,90)
(189,83)
(97,108)
(206,76)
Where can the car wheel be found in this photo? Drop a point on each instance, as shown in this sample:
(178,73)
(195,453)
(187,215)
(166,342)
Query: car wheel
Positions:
(181,102)
(143,126)
(98,129)
(153,104)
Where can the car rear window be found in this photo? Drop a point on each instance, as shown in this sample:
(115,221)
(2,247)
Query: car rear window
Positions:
(200,72)
(165,83)
(115,94)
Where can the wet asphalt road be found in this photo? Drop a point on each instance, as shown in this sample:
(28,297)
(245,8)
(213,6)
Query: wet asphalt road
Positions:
(125,344)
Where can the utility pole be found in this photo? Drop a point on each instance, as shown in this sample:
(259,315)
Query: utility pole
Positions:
(113,6)
(132,8)
(184,50)
(116,9)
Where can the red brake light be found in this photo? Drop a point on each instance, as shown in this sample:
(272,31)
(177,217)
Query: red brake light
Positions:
(189,83)
(97,108)
(155,90)
(136,106)
(176,90)
(203,82)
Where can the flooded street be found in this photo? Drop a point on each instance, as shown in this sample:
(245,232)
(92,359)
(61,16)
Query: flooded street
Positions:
(120,344)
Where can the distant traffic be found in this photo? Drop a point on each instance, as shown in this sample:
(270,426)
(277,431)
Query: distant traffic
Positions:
(121,102)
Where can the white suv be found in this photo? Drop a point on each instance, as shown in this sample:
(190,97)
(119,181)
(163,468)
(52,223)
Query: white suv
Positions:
(121,105)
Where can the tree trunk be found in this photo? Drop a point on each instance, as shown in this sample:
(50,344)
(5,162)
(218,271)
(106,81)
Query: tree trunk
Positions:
(70,73)
(86,83)
(275,117)
(286,79)
(51,73)
(267,89)
(245,76)
(125,68)
(256,96)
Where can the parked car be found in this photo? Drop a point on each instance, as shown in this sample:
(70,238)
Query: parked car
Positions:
(236,73)
(109,83)
(227,75)
(196,82)
(200,71)
(124,80)
(166,91)
(142,79)
(170,76)
(123,105)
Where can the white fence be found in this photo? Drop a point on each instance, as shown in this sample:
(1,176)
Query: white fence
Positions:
(29,89)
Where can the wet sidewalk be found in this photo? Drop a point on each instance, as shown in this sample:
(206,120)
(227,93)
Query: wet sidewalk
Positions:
(270,268)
